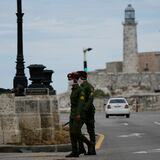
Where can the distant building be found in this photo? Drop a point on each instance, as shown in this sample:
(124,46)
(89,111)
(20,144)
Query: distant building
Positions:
(114,67)
(133,61)
(149,62)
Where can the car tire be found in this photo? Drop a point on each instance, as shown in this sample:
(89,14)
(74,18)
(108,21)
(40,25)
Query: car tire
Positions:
(107,116)
(127,115)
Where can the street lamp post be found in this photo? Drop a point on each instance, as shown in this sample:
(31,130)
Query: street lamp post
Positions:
(20,80)
(85,58)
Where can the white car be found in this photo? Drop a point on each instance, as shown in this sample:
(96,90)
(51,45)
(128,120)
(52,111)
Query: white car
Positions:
(117,107)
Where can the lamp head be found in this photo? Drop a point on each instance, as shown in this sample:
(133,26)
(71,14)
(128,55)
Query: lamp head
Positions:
(87,49)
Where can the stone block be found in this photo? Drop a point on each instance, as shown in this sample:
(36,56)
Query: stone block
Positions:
(29,121)
(0,122)
(9,122)
(7,104)
(12,137)
(46,121)
(1,137)
(44,106)
(31,106)
(31,136)
(55,119)
(48,134)
(20,106)
(54,104)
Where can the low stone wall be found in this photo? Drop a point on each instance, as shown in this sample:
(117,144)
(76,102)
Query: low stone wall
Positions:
(140,102)
(28,119)
(143,81)
(144,102)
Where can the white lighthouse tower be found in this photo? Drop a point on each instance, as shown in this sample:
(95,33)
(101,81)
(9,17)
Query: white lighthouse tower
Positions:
(130,57)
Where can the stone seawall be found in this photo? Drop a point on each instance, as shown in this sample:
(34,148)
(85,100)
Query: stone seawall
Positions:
(28,119)
(145,81)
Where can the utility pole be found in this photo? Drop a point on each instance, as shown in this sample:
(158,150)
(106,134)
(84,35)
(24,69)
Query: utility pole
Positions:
(20,80)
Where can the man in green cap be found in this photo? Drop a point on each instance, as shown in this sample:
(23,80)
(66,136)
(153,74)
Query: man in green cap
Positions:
(75,123)
(88,109)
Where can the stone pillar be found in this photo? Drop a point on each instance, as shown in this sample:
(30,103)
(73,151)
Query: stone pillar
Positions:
(28,119)
(37,118)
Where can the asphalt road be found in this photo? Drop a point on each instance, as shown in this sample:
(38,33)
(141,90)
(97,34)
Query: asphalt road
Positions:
(136,138)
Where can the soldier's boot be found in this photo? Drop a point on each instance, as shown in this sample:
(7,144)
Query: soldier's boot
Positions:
(88,143)
(72,154)
(93,142)
(91,150)
(81,148)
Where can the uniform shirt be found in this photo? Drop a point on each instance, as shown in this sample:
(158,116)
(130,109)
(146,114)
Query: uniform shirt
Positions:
(77,100)
(88,90)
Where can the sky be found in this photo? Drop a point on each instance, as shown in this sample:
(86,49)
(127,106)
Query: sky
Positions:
(55,32)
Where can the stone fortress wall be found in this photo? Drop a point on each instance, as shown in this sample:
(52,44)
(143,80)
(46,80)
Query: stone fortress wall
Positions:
(113,81)
(138,88)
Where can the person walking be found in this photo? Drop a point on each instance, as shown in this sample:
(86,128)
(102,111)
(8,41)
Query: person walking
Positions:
(88,112)
(75,122)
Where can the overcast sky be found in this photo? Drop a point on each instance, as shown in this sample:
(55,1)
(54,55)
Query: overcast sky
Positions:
(56,31)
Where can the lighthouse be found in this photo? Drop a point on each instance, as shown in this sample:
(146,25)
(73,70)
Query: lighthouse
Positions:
(130,51)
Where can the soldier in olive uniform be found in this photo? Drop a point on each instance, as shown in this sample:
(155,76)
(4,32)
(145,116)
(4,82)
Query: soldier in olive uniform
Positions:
(75,123)
(88,110)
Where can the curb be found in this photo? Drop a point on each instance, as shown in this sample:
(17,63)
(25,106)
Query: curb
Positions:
(38,148)
(44,148)
(99,141)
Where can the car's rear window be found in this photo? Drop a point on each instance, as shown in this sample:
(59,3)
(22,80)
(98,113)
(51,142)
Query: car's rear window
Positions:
(117,101)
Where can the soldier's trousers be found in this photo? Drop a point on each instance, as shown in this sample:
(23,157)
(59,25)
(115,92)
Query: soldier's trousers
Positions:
(90,124)
(76,134)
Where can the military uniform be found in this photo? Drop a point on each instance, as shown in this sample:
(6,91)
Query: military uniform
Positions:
(75,123)
(88,111)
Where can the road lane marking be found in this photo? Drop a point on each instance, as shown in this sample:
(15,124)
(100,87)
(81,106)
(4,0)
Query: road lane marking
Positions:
(140,152)
(158,123)
(125,124)
(156,150)
(131,135)
(100,141)
(148,151)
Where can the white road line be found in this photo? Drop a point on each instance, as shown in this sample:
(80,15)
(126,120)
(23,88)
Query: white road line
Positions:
(148,151)
(131,135)
(125,124)
(140,152)
(158,123)
(156,150)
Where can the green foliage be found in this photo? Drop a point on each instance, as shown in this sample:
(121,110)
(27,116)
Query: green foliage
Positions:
(98,93)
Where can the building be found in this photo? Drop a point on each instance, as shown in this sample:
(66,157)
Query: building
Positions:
(149,62)
(133,61)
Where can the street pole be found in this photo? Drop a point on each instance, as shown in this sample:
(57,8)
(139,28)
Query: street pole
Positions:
(85,59)
(20,80)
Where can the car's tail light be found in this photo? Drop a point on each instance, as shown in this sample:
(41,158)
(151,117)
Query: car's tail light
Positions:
(126,106)
(109,107)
